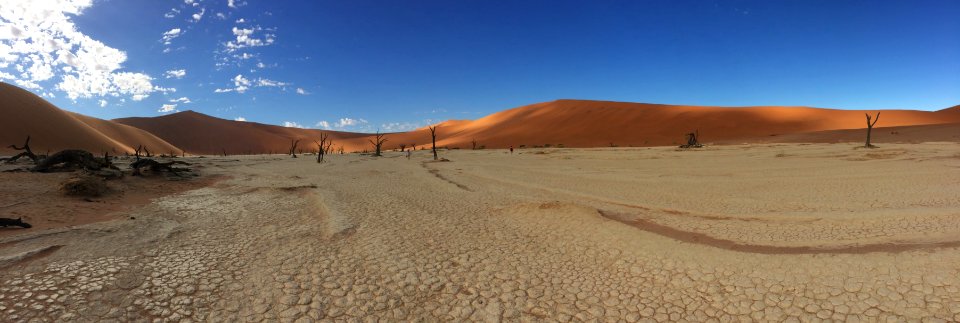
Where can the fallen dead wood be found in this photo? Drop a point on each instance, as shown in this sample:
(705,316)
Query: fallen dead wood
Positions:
(157,167)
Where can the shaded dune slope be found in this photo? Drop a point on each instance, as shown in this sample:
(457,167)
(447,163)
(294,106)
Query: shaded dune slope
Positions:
(52,129)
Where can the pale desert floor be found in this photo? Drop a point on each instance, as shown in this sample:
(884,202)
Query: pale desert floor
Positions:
(729,233)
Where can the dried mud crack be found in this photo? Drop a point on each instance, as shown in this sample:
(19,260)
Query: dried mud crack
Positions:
(379,239)
(707,240)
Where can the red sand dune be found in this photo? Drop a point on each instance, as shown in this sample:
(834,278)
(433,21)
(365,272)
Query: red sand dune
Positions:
(51,129)
(573,123)
(198,133)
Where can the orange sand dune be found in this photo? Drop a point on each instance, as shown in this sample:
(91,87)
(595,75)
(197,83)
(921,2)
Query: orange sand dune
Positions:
(52,129)
(572,123)
(579,123)
(198,133)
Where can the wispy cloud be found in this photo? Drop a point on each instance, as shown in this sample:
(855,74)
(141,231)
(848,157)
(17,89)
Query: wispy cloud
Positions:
(241,84)
(170,35)
(239,119)
(248,37)
(177,74)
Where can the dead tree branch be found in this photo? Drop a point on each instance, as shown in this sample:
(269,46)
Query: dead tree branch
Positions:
(26,152)
(870,128)
(293,147)
(693,140)
(323,146)
(155,166)
(433,139)
(379,137)
(70,160)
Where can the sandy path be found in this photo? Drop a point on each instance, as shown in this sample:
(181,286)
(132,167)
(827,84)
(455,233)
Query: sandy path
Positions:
(492,237)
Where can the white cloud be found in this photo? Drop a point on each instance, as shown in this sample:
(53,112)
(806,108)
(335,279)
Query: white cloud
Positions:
(291,124)
(399,126)
(170,35)
(240,21)
(301,91)
(221,16)
(242,84)
(344,124)
(103,103)
(175,73)
(197,16)
(166,108)
(234,4)
(347,122)
(39,41)
(240,119)
(181,100)
(270,83)
(172,13)
(246,38)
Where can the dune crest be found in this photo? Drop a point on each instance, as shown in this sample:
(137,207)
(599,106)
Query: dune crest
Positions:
(53,129)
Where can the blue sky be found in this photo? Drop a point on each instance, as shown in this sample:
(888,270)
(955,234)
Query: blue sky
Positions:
(395,65)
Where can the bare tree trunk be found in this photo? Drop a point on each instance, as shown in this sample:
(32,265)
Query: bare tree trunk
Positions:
(693,140)
(870,128)
(293,147)
(433,140)
(323,146)
(379,137)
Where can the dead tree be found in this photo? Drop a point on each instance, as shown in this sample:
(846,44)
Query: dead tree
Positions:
(870,128)
(433,139)
(147,151)
(70,160)
(26,152)
(474,142)
(403,147)
(378,142)
(293,147)
(136,153)
(323,146)
(156,167)
(693,140)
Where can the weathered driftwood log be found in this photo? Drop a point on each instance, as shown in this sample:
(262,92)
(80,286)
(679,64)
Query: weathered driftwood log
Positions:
(18,222)
(71,160)
(155,166)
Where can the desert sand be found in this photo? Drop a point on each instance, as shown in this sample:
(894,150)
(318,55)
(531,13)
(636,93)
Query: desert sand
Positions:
(761,232)
(52,129)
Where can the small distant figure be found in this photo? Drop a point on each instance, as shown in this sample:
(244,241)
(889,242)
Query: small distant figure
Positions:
(511,149)
(409,152)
